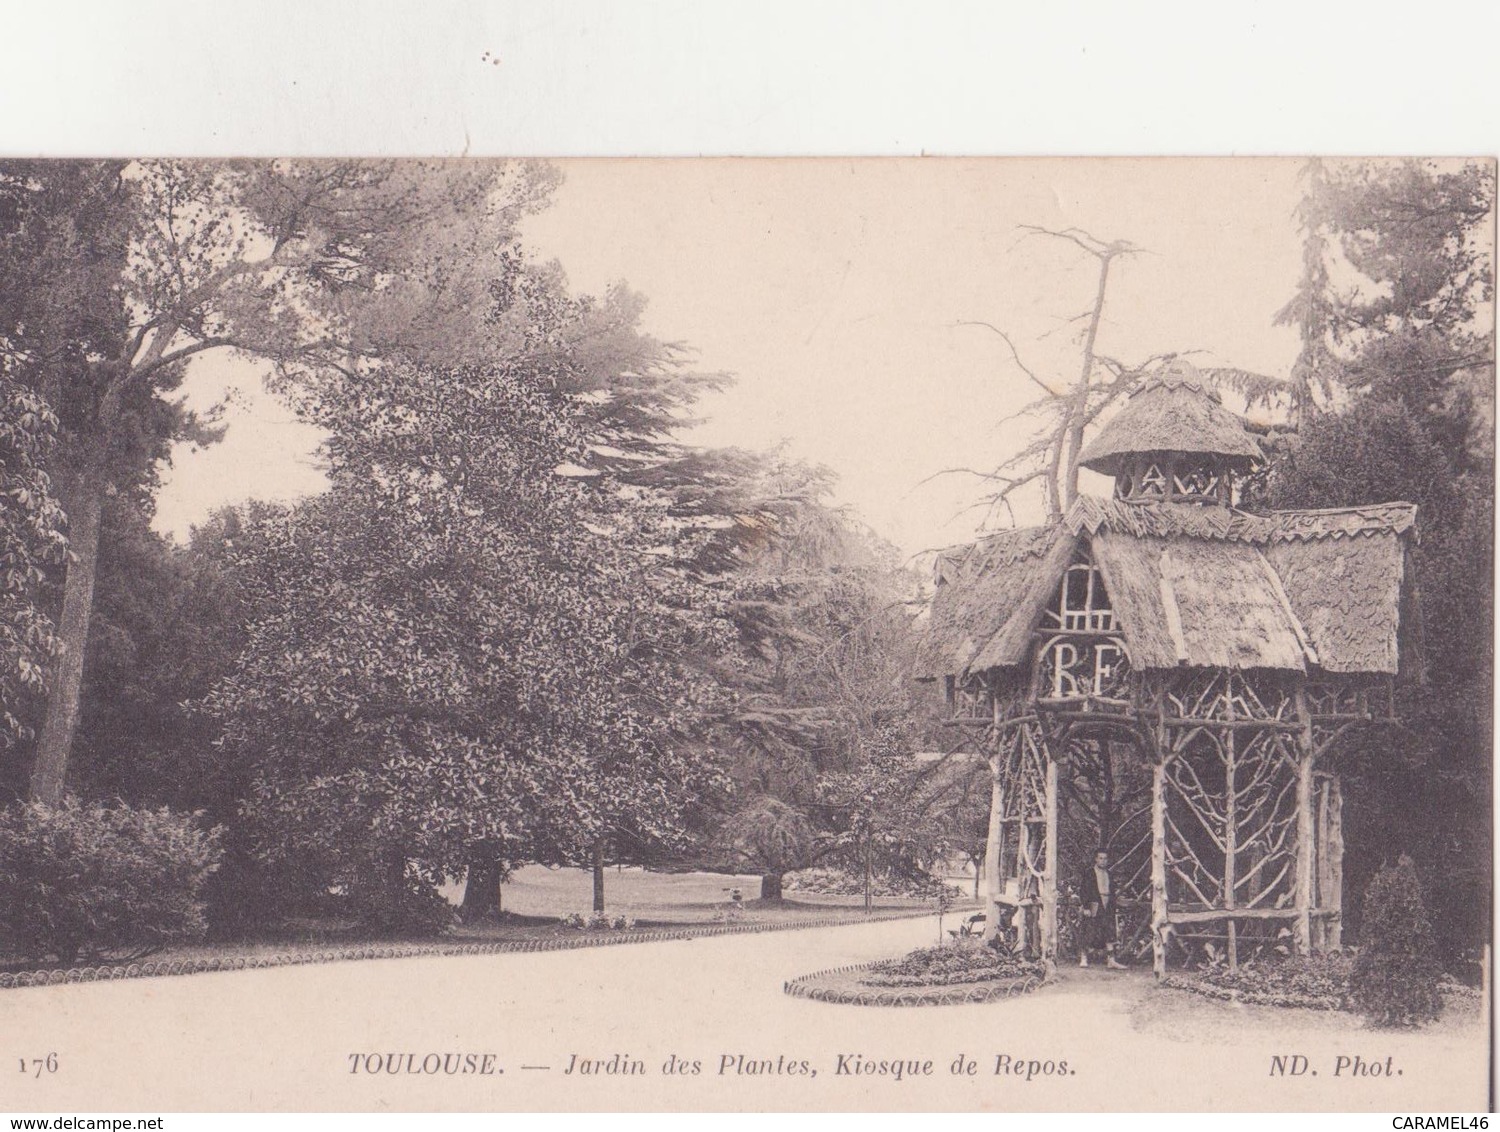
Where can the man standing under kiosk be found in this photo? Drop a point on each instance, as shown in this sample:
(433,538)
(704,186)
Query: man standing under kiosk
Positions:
(1098,933)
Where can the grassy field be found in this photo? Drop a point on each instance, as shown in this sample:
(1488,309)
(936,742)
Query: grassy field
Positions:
(535,898)
(662,898)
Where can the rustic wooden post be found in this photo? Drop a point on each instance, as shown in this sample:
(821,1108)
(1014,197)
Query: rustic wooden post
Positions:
(1303,893)
(1333,901)
(1049,867)
(1159,864)
(1027,889)
(992,856)
(1305,845)
(1231,835)
(1322,867)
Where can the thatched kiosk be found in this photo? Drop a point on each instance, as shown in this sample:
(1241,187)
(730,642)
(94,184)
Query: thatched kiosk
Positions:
(1173,678)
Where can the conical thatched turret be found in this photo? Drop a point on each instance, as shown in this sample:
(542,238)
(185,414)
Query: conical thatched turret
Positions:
(1172,423)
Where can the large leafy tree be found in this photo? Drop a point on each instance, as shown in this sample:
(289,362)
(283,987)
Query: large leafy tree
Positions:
(528,525)
(31,540)
(116,274)
(462,654)
(64,238)
(1395,311)
(166,626)
(886,811)
(821,678)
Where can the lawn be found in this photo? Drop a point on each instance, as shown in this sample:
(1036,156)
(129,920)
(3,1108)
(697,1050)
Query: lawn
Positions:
(664,898)
(534,900)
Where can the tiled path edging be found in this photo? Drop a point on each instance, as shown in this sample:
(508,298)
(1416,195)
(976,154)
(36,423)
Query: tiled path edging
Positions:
(152,968)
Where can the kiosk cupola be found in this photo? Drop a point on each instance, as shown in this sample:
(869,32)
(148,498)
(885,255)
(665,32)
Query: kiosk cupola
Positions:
(1173,442)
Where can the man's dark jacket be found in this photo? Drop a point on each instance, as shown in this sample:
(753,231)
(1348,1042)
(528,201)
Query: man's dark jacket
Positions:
(1089,890)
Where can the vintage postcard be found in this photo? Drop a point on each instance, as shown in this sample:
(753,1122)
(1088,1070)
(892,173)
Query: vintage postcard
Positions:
(746,634)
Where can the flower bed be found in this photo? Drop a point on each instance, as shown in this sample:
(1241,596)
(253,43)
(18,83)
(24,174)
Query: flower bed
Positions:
(948,965)
(596,922)
(1318,982)
(933,976)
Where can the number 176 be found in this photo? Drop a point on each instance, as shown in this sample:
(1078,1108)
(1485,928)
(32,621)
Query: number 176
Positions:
(39,1065)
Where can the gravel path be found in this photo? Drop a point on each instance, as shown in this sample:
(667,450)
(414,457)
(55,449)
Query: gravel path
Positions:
(287,1038)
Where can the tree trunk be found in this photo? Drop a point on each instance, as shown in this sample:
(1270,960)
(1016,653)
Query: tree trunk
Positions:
(599,875)
(83,499)
(1078,412)
(770,886)
(482,891)
(869,872)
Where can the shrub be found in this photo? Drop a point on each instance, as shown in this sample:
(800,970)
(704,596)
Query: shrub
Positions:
(1396,977)
(399,899)
(87,879)
(837,882)
(249,895)
(597,921)
(731,913)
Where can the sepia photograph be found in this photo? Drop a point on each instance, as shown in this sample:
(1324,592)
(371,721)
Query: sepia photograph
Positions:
(746,634)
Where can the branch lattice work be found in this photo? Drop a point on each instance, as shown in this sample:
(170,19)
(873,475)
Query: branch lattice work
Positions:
(1021,770)
(1337,705)
(1233,747)
(1024,799)
(1224,826)
(1219,695)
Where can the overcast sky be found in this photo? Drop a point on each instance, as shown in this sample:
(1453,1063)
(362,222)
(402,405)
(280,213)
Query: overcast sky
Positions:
(832,290)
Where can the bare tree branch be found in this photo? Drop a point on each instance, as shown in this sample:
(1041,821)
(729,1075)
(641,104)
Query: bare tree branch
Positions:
(1014,353)
(1061,446)
(956,472)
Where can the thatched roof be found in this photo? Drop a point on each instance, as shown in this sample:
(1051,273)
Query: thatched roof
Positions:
(1193,520)
(1347,594)
(1345,522)
(1167,520)
(1203,603)
(1190,585)
(1011,640)
(982,589)
(1171,412)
